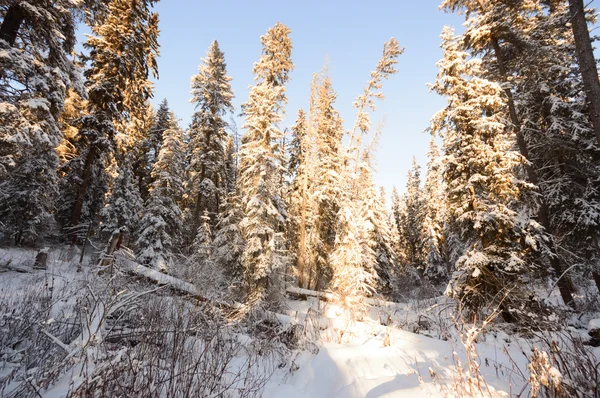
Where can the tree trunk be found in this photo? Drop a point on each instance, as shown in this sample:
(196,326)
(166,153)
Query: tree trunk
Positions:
(115,241)
(197,210)
(11,24)
(587,62)
(565,286)
(87,174)
(596,279)
(41,259)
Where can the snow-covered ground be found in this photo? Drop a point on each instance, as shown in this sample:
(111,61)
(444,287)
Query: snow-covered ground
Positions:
(336,357)
(384,361)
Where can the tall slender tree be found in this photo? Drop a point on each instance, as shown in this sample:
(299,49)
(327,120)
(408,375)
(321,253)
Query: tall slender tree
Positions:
(327,182)
(354,258)
(262,166)
(413,217)
(160,229)
(207,172)
(434,231)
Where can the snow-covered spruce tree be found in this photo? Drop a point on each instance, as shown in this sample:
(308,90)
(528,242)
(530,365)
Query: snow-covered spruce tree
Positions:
(298,200)
(413,217)
(203,242)
(135,144)
(559,134)
(587,63)
(207,171)
(150,132)
(261,166)
(123,209)
(398,211)
(122,52)
(75,106)
(485,192)
(353,258)
(231,165)
(228,241)
(435,246)
(163,121)
(36,40)
(498,32)
(381,234)
(327,182)
(161,227)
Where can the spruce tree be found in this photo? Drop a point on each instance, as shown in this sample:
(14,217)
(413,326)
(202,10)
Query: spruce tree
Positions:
(36,40)
(413,217)
(298,200)
(161,226)
(228,240)
(397,215)
(529,48)
(327,180)
(559,134)
(207,172)
(261,167)
(123,209)
(433,227)
(486,196)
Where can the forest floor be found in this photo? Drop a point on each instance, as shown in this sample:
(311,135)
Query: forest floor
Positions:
(411,349)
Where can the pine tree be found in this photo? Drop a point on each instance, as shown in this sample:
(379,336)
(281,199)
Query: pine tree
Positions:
(36,40)
(207,173)
(163,121)
(261,168)
(122,52)
(161,226)
(485,192)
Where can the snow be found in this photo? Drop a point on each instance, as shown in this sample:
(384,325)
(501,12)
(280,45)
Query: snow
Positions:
(365,368)
(347,358)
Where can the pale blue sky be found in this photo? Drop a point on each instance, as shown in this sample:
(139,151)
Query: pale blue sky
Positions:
(350,34)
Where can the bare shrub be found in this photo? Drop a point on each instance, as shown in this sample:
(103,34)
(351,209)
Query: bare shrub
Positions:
(563,367)
(117,336)
(174,349)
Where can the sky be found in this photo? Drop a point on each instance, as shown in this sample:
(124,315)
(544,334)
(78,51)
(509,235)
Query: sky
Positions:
(348,34)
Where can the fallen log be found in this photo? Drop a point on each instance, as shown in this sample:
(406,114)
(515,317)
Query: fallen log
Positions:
(187,288)
(329,297)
